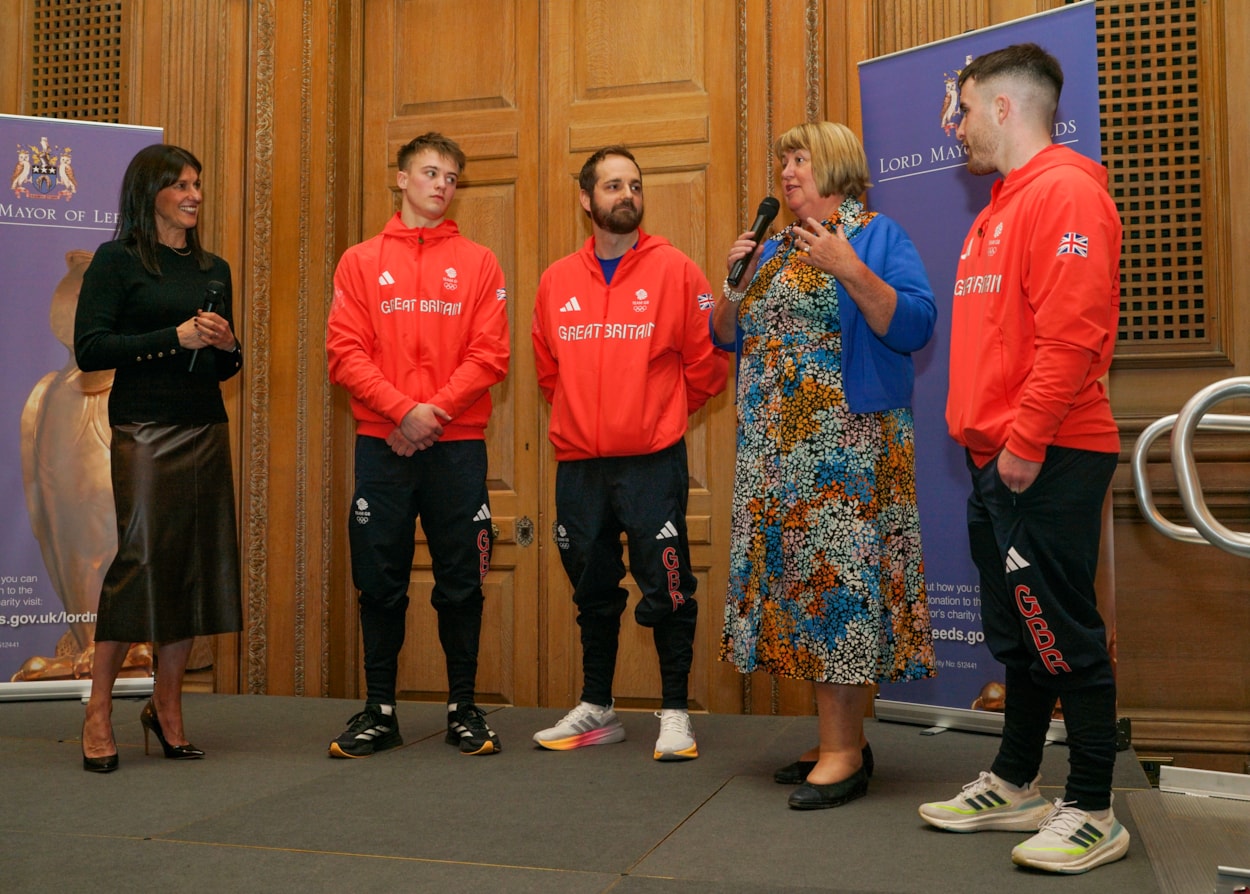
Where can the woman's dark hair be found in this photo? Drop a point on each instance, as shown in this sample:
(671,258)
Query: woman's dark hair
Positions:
(152,169)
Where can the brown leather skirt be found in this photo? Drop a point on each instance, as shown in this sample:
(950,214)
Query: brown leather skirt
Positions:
(176,573)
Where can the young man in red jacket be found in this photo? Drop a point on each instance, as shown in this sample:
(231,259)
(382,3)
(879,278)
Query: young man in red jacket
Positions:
(418,334)
(1033,326)
(624,357)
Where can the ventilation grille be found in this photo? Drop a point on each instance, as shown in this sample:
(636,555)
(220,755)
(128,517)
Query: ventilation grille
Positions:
(76,60)
(1148,65)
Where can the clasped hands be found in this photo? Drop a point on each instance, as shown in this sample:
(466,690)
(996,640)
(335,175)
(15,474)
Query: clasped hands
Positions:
(419,429)
(206,330)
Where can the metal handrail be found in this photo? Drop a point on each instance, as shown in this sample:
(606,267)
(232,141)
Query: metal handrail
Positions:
(1190,419)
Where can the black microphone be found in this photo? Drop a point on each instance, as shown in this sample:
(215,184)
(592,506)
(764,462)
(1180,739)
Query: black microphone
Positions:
(214,292)
(763,217)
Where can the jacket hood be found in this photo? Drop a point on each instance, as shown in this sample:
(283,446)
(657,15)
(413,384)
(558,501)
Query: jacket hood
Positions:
(1053,156)
(396,229)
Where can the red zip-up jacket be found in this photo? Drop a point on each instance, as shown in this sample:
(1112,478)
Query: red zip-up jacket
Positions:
(624,365)
(420,315)
(1033,323)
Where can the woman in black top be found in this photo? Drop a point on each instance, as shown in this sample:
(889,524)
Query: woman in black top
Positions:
(156,307)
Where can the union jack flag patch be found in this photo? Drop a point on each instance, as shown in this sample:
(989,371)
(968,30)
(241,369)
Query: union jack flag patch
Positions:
(706,301)
(1073,244)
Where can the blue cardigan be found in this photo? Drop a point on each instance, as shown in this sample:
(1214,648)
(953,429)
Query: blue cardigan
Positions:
(877,371)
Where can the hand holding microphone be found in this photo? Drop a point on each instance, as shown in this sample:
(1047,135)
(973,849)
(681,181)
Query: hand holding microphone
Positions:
(763,217)
(214,294)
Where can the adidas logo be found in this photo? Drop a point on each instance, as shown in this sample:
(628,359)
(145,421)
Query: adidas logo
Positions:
(1015,561)
(669,530)
(1085,837)
(386,279)
(373,732)
(570,305)
(482,514)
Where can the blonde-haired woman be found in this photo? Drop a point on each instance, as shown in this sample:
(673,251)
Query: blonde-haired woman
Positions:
(826,575)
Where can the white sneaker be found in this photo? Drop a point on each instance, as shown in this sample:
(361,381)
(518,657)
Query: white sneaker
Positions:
(676,742)
(1071,841)
(989,803)
(586,724)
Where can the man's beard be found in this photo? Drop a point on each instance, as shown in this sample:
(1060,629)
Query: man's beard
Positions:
(621,219)
(981,152)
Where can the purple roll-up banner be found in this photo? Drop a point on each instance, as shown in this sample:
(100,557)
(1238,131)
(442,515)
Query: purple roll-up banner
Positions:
(57,207)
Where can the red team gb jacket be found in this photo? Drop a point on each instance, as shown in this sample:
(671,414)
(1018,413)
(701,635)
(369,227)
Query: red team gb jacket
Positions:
(1036,306)
(624,365)
(420,315)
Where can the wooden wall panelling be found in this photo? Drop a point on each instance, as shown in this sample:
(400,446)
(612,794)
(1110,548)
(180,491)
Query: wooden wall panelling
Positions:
(14,55)
(287,162)
(187,74)
(904,24)
(1184,617)
(343,645)
(490,109)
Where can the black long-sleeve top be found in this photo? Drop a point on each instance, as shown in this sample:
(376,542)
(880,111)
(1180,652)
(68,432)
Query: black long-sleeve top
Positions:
(127,320)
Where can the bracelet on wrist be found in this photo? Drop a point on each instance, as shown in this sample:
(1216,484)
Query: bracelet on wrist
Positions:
(732,296)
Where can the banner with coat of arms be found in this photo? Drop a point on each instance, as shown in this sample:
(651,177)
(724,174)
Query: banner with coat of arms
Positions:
(59,205)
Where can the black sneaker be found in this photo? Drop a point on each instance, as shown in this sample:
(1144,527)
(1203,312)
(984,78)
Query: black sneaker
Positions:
(466,727)
(367,733)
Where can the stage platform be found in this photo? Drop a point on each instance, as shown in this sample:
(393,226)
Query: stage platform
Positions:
(267,810)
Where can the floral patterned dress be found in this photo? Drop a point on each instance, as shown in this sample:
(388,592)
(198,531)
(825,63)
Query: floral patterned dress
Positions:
(826,578)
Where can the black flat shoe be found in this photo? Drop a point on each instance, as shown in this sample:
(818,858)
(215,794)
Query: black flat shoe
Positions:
(793,774)
(152,724)
(810,796)
(106,764)
(796,773)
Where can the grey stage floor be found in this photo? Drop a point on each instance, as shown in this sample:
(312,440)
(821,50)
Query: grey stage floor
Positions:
(269,811)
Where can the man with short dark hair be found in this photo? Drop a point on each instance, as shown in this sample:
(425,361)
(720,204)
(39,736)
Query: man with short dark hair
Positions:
(418,334)
(624,357)
(1033,325)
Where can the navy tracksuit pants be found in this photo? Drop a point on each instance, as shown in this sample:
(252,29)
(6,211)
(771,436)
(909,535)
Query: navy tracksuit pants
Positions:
(645,498)
(444,485)
(1037,554)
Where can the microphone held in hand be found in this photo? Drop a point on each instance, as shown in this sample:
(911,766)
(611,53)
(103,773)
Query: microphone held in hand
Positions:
(763,217)
(214,293)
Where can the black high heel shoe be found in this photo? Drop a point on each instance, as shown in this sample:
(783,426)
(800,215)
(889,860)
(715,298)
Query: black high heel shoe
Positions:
(106,764)
(151,723)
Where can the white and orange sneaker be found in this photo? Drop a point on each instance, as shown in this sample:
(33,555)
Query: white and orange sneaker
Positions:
(586,724)
(676,742)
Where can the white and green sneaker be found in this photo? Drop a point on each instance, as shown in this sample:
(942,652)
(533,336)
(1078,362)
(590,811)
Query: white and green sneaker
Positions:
(989,803)
(1070,840)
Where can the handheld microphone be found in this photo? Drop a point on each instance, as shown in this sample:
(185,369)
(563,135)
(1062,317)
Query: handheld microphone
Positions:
(214,292)
(763,217)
